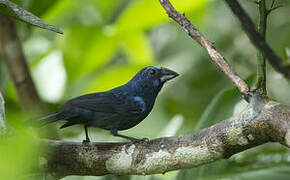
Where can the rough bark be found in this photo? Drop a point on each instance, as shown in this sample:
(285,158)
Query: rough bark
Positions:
(262,121)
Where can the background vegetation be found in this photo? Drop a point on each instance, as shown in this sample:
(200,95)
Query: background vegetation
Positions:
(106,42)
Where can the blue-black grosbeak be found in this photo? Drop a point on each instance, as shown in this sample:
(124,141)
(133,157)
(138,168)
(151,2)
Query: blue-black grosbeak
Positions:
(117,109)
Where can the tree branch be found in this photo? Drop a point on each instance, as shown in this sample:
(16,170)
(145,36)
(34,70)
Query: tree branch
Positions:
(261,60)
(2,115)
(257,39)
(211,50)
(11,50)
(13,56)
(273,7)
(11,9)
(263,121)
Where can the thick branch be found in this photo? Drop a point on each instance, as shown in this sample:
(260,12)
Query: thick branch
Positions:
(213,53)
(11,51)
(263,121)
(257,39)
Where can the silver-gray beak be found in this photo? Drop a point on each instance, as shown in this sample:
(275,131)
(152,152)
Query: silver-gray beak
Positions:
(167,74)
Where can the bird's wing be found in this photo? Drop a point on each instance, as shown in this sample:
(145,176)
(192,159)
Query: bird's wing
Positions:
(135,105)
(97,102)
(106,102)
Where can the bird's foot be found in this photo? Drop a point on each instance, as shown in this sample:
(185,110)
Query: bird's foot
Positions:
(86,142)
(133,141)
(142,140)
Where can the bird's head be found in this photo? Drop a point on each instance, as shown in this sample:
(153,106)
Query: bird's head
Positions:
(153,77)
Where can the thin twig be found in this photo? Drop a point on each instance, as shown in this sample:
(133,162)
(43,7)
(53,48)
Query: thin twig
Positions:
(213,53)
(272,4)
(261,60)
(257,39)
(274,8)
(2,115)
(21,14)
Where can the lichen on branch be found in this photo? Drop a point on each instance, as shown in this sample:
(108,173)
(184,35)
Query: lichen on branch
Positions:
(262,121)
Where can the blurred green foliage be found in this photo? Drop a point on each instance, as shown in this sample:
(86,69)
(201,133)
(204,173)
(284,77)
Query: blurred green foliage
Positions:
(18,155)
(106,42)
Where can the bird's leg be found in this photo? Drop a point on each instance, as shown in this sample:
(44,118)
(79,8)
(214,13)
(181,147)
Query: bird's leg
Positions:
(132,139)
(87,135)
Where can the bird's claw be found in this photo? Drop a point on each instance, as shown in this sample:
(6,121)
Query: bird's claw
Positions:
(86,142)
(144,139)
(134,140)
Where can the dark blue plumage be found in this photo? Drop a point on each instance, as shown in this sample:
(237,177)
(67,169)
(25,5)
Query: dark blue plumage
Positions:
(119,108)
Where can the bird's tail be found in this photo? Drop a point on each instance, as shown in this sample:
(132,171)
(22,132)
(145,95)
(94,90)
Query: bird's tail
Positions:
(47,119)
(50,118)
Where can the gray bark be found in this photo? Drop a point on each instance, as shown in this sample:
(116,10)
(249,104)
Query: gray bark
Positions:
(263,121)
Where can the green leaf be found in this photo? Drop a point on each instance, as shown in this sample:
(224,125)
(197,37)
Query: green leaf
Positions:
(113,77)
(150,13)
(281,173)
(17,156)
(220,108)
(228,170)
(40,7)
(207,171)
(109,9)
(60,11)
(267,162)
(100,51)
(19,13)
(246,165)
(138,48)
(84,13)
(84,54)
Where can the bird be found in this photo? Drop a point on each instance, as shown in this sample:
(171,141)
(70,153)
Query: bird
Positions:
(117,109)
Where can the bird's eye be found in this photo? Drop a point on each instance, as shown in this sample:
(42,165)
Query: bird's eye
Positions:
(152,71)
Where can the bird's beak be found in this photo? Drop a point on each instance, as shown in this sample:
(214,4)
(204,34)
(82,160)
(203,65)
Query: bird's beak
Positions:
(167,74)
